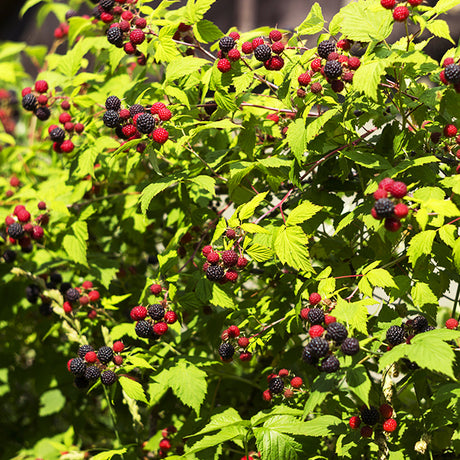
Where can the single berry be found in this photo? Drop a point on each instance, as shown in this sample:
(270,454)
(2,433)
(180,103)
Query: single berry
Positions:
(319,347)
(115,36)
(336,332)
(316,331)
(354,422)
(233,331)
(366,431)
(226,43)
(164,114)
(57,134)
(395,335)
(304,79)
(333,70)
(256,42)
(42,113)
(138,313)
(384,208)
(15,230)
(388,4)
(77,366)
(206,250)
(330,364)
(262,52)
(9,256)
(243,342)
(215,273)
(316,316)
(83,350)
(420,323)
(353,63)
(224,65)
(278,47)
(314,298)
(304,313)
(401,210)
(266,395)
(111,119)
(160,328)
(386,183)
(170,317)
(276,385)
(91,357)
(415,2)
(400,13)
(386,410)
(350,346)
(105,354)
(29,102)
(325,48)
(450,130)
(108,378)
(296,382)
(118,346)
(213,257)
(283,373)
(72,295)
(145,123)
(226,351)
(160,135)
(370,415)
(113,103)
(246,47)
(392,224)
(451,74)
(328,319)
(316,65)
(136,37)
(144,329)
(316,87)
(155,289)
(156,312)
(242,262)
(451,323)
(390,425)
(229,258)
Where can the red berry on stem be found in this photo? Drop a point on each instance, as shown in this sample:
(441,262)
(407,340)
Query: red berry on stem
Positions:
(314,298)
(118,346)
(400,13)
(160,135)
(390,425)
(224,65)
(296,382)
(386,410)
(354,422)
(451,323)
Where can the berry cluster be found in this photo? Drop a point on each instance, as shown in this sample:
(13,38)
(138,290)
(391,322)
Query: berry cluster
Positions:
(8,110)
(267,51)
(152,321)
(79,297)
(20,230)
(90,365)
(136,121)
(231,339)
(396,335)
(36,100)
(400,12)
(165,443)
(323,342)
(220,266)
(450,75)
(392,210)
(374,420)
(282,384)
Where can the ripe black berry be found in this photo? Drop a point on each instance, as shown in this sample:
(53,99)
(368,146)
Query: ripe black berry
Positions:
(108,378)
(319,347)
(92,373)
(315,316)
(156,312)
(83,350)
(350,346)
(106,5)
(113,103)
(325,48)
(336,332)
(105,354)
(395,335)
(111,119)
(370,416)
(333,69)
(226,351)
(16,231)
(263,53)
(42,113)
(56,278)
(115,36)
(330,364)
(9,256)
(57,135)
(32,293)
(276,385)
(144,329)
(226,43)
(29,102)
(72,295)
(215,273)
(77,366)
(452,73)
(384,207)
(308,356)
(135,109)
(420,323)
(145,123)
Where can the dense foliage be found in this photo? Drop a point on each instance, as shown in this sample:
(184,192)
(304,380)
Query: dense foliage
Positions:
(230,245)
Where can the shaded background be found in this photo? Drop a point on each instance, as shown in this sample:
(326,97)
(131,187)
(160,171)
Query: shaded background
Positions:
(245,14)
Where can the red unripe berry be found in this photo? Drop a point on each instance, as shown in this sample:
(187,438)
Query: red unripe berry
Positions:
(233,331)
(41,86)
(353,62)
(9,220)
(87,285)
(224,336)
(92,314)
(442,77)
(450,131)
(42,99)
(400,13)
(386,410)
(136,37)
(164,114)
(127,15)
(206,250)
(354,422)
(79,127)
(316,331)
(448,61)
(304,79)
(69,126)
(23,215)
(375,215)
(165,444)
(230,234)
(273,117)
(451,323)
(278,47)
(141,23)
(67,146)
(266,395)
(129,48)
(37,232)
(91,357)
(84,300)
(344,44)
(156,107)
(242,262)
(234,54)
(94,296)
(246,47)
(65,105)
(316,65)
(366,431)
(213,257)
(118,346)
(392,224)
(106,17)
(155,289)
(64,118)
(415,2)
(231,275)
(380,193)
(314,298)
(256,42)
(170,317)
(138,313)
(401,210)
(243,342)
(283,373)
(316,87)
(398,189)
(230,258)
(388,4)
(26,91)
(67,307)
(160,328)
(275,35)
(224,65)
(160,135)
(288,393)
(245,356)
(296,382)
(390,425)
(235,35)
(386,183)
(118,360)
(304,313)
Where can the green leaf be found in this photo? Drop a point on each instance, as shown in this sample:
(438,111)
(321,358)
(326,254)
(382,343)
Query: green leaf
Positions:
(108,454)
(189,384)
(253,228)
(296,138)
(206,31)
(448,233)
(359,383)
(313,23)
(380,277)
(301,213)
(222,419)
(154,189)
(75,249)
(27,6)
(317,125)
(422,294)
(368,160)
(442,207)
(220,298)
(133,389)
(291,248)
(221,227)
(51,401)
(367,78)
(274,445)
(354,314)
(195,9)
(259,253)
(445,5)
(440,28)
(225,434)
(420,245)
(247,210)
(225,101)
(206,182)
(184,66)
(456,253)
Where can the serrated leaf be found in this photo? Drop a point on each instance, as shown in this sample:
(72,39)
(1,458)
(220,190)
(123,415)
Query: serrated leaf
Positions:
(445,5)
(291,247)
(206,182)
(184,66)
(108,454)
(253,228)
(247,209)
(368,160)
(154,189)
(206,31)
(220,298)
(442,207)
(259,253)
(313,23)
(422,294)
(296,138)
(354,314)
(221,227)
(420,245)
(380,277)
(225,434)
(189,384)
(317,125)
(440,28)
(133,389)
(367,78)
(274,445)
(75,249)
(448,233)
(359,383)
(225,418)
(225,101)
(301,213)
